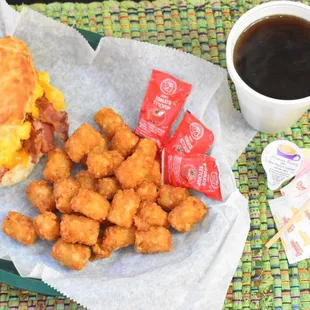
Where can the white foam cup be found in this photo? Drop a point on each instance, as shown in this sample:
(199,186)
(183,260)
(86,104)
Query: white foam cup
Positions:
(261,112)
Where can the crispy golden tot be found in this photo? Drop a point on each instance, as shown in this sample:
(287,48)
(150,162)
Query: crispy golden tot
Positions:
(64,191)
(58,166)
(147,191)
(85,180)
(190,212)
(133,171)
(116,237)
(150,214)
(154,240)
(47,226)
(20,228)
(109,121)
(102,146)
(138,166)
(170,196)
(124,141)
(123,208)
(104,164)
(74,256)
(79,229)
(146,148)
(107,187)
(41,196)
(82,141)
(99,252)
(91,204)
(155,175)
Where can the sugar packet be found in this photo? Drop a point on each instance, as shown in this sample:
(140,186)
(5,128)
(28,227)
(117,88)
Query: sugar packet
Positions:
(298,187)
(296,241)
(301,183)
(306,165)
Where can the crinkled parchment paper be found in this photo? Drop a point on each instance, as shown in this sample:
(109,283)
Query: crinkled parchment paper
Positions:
(197,273)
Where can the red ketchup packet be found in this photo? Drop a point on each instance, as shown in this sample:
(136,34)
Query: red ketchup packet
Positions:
(192,136)
(162,103)
(193,171)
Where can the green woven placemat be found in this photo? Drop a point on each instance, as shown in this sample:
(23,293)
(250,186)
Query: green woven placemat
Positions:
(263,279)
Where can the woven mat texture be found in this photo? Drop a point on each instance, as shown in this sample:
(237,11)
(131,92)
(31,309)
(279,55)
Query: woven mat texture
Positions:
(263,279)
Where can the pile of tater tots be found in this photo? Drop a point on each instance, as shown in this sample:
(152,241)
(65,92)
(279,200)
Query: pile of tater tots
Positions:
(115,201)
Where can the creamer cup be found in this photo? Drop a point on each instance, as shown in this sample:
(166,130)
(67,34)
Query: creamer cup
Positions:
(281,160)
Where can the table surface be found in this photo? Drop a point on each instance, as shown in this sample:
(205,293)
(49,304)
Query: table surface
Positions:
(263,279)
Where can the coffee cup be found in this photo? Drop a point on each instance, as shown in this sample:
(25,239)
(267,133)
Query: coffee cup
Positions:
(261,112)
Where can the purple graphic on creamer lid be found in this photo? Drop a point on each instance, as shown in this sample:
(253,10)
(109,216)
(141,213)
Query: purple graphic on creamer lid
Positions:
(287,152)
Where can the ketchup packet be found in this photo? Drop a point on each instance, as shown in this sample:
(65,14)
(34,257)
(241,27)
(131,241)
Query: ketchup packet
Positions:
(162,103)
(192,136)
(193,171)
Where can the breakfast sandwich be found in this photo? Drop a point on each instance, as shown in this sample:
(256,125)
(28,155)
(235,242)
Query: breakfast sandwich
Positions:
(30,112)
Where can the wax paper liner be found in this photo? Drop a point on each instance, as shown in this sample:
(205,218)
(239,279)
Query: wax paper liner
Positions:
(198,271)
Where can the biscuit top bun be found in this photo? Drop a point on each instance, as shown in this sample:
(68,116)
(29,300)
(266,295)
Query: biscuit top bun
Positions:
(18,79)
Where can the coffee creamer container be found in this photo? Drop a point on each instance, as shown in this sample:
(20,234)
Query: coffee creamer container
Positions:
(281,160)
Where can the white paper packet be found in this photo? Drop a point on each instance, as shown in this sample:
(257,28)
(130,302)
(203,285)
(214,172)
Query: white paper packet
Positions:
(296,241)
(298,187)
(197,273)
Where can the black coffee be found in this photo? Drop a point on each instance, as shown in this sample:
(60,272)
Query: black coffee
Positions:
(272,56)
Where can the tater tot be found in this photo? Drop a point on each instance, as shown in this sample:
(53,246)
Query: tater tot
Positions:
(85,180)
(169,196)
(79,229)
(99,252)
(133,171)
(123,207)
(64,191)
(91,204)
(98,149)
(58,166)
(154,240)
(40,194)
(117,159)
(147,191)
(20,228)
(150,214)
(146,148)
(47,226)
(74,256)
(116,237)
(190,212)
(82,141)
(107,187)
(104,164)
(155,175)
(138,166)
(109,121)
(124,141)
(102,146)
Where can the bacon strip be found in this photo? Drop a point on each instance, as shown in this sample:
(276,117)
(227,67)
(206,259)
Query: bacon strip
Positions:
(41,140)
(48,114)
(47,135)
(42,130)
